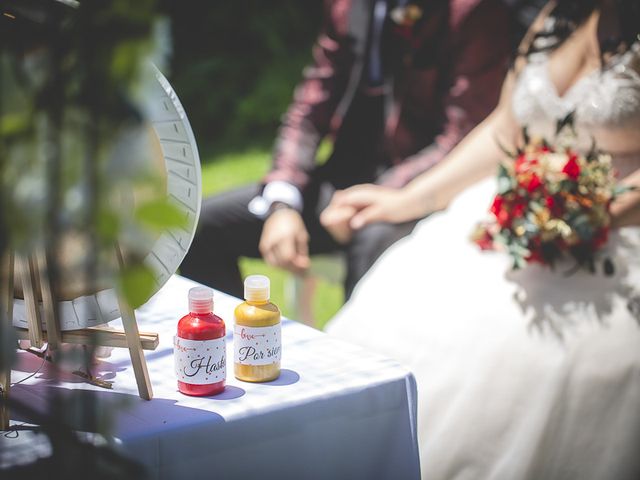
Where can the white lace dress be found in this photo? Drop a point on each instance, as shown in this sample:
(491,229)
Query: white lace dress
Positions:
(529,374)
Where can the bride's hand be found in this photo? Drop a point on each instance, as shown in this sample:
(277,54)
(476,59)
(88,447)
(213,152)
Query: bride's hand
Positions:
(336,218)
(373,203)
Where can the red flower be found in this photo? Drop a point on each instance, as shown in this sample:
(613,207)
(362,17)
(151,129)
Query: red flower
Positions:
(496,206)
(519,209)
(485,242)
(534,183)
(550,202)
(504,219)
(571,168)
(523,164)
(541,193)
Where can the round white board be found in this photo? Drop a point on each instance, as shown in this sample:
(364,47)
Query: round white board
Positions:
(184,188)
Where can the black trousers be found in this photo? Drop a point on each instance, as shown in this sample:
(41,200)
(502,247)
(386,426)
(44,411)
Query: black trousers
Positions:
(227,231)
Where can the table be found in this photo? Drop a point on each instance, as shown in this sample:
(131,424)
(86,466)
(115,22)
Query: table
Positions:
(337,411)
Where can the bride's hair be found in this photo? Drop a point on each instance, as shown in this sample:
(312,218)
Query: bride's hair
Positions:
(567,15)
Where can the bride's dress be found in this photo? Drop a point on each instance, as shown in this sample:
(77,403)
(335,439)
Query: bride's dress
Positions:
(521,374)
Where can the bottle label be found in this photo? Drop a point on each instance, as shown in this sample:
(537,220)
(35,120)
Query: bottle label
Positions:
(200,362)
(256,345)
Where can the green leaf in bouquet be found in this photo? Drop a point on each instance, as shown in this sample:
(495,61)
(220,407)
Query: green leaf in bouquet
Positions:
(567,185)
(505,150)
(592,154)
(525,135)
(565,122)
(160,214)
(521,244)
(584,227)
(531,228)
(136,283)
(505,180)
(519,254)
(505,185)
(519,262)
(579,219)
(546,144)
(501,238)
(609,267)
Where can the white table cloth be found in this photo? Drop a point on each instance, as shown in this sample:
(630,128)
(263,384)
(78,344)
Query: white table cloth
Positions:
(337,411)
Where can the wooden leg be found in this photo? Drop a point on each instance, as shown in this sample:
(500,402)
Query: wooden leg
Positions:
(29,278)
(5,383)
(138,361)
(49,306)
(135,351)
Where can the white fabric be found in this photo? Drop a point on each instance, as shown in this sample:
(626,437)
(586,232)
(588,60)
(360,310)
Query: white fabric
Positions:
(277,191)
(337,411)
(532,374)
(521,375)
(609,97)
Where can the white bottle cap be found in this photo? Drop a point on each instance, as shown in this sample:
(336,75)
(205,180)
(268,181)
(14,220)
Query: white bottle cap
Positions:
(256,288)
(201,300)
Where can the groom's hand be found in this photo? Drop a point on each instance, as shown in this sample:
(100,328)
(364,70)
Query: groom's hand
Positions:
(284,241)
(335,218)
(358,206)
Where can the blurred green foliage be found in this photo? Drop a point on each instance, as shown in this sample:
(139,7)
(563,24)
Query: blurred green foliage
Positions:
(234,65)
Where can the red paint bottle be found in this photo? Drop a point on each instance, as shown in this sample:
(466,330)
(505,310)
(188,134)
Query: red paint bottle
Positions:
(199,349)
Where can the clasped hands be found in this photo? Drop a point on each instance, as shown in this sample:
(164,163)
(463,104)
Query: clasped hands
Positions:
(284,241)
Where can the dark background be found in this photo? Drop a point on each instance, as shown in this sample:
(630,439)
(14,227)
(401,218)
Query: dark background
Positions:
(234,64)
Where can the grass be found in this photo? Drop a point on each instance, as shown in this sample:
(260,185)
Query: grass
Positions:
(223,171)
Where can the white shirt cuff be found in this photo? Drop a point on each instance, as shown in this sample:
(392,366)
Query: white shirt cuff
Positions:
(277,191)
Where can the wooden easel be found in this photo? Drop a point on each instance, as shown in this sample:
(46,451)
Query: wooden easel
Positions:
(31,272)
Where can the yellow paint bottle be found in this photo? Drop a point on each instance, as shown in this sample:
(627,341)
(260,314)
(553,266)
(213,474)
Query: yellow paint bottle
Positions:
(257,334)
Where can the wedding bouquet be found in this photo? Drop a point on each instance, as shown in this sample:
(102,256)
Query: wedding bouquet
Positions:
(552,201)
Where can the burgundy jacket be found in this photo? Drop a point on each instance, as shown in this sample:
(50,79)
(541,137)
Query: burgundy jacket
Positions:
(442,76)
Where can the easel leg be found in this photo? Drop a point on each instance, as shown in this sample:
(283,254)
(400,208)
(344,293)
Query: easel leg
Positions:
(132,334)
(49,306)
(5,382)
(29,276)
(135,351)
